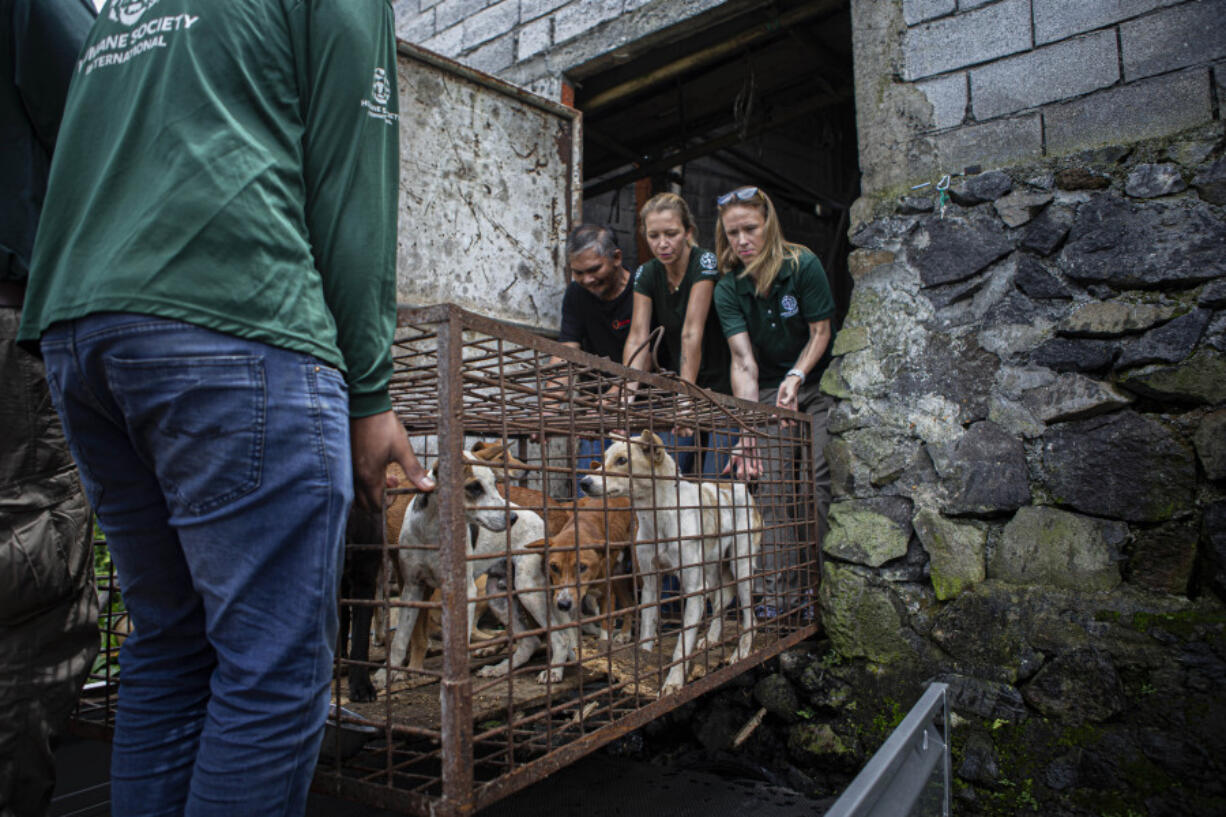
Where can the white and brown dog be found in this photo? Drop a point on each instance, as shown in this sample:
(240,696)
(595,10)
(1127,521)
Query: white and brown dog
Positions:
(527,568)
(419,551)
(707,533)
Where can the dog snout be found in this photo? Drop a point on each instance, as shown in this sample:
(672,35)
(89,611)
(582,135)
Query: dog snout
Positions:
(586,483)
(514,516)
(564,602)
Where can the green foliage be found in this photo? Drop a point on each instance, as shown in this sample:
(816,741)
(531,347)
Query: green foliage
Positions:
(885,721)
(111,614)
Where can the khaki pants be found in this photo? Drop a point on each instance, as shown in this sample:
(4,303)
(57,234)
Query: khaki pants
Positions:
(788,568)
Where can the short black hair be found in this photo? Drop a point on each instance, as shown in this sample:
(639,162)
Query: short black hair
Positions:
(597,237)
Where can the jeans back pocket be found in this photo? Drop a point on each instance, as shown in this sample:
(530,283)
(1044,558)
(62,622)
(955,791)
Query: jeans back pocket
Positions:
(198,422)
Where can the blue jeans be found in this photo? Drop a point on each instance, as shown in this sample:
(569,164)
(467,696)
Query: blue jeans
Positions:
(714,446)
(220,471)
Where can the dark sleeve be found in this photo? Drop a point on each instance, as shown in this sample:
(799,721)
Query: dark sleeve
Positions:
(727,307)
(816,302)
(644,281)
(572,319)
(347,80)
(47,37)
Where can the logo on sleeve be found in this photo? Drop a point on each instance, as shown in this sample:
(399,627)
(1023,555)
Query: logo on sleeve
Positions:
(638,273)
(788,306)
(129,11)
(381,89)
(707,264)
(380,93)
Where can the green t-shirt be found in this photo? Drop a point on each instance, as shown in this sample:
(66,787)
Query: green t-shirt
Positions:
(234,165)
(668,310)
(778,324)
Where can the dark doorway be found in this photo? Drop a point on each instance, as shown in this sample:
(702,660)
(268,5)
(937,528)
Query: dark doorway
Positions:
(750,93)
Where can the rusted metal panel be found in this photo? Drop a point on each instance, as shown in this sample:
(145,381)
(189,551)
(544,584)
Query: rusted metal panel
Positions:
(489,188)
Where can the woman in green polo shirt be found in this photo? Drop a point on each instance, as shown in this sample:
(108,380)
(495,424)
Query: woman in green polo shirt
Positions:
(775,308)
(674,290)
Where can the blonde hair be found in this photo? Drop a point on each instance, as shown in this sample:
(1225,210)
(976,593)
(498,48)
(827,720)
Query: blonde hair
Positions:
(664,202)
(766,265)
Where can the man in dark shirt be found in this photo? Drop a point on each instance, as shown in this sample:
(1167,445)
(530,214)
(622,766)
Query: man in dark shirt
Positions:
(596,308)
(599,302)
(48,606)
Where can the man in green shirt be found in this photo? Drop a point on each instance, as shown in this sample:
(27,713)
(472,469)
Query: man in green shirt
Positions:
(214,288)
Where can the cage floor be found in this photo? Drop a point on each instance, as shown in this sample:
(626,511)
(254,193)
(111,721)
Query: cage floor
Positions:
(631,671)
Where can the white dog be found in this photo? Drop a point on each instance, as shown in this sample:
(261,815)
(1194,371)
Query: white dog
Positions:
(708,533)
(528,582)
(419,553)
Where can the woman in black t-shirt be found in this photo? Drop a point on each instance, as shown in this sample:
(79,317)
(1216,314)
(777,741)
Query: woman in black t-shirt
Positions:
(674,290)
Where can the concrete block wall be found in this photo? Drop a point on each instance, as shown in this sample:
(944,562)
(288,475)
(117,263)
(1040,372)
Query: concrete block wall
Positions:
(534,42)
(1007,81)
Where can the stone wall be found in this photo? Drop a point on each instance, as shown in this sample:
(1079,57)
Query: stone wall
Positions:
(1029,467)
(945,84)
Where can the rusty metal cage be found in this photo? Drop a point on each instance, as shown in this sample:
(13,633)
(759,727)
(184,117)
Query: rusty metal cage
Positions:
(432,720)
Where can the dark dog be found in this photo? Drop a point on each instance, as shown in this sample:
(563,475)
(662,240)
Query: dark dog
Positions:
(364,529)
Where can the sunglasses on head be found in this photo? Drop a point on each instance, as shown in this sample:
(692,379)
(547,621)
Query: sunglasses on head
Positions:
(740,194)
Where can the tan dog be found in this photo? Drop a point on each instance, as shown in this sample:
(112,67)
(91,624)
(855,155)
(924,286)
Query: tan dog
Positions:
(583,559)
(708,533)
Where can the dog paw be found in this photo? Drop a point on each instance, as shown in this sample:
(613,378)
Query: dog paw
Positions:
(379,680)
(673,682)
(487,652)
(494,670)
(744,648)
(550,676)
(648,646)
(360,687)
(622,638)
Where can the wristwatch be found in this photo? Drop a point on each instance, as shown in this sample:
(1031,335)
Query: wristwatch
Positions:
(798,373)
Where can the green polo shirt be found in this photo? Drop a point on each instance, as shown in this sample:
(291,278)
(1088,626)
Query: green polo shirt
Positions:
(668,310)
(778,324)
(234,165)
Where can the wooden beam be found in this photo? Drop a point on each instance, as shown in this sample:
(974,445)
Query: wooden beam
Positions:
(709,54)
(642,192)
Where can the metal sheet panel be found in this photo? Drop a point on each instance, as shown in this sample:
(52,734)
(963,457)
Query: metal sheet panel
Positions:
(489,188)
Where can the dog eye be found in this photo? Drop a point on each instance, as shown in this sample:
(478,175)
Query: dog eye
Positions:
(620,461)
(582,567)
(474,489)
(553,568)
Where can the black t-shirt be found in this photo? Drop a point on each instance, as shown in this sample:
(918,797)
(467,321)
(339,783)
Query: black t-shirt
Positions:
(599,327)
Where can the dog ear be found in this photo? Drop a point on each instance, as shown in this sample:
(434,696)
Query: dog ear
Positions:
(489,451)
(496,454)
(595,465)
(653,445)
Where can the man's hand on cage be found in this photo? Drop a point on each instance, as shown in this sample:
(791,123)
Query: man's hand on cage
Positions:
(744,464)
(376,441)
